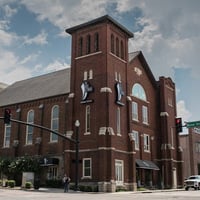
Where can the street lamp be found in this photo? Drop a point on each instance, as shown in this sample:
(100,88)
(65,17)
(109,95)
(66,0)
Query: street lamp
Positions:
(77,124)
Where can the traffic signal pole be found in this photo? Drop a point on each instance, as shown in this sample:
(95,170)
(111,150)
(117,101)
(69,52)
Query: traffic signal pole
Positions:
(7,113)
(44,128)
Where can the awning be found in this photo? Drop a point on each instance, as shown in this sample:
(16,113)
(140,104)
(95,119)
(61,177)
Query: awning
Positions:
(146,164)
(49,161)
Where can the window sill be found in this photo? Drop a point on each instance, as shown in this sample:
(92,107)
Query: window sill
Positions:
(87,55)
(87,133)
(6,147)
(26,145)
(86,177)
(53,142)
(135,120)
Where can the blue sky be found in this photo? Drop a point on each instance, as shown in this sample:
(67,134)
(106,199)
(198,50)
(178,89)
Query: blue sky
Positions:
(33,39)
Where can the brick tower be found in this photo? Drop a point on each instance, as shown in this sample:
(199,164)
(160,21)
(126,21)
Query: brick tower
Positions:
(97,99)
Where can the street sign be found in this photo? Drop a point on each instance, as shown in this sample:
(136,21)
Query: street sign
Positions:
(193,124)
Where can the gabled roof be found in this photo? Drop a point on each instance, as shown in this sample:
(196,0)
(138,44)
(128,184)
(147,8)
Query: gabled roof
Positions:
(3,86)
(97,21)
(145,65)
(133,55)
(48,85)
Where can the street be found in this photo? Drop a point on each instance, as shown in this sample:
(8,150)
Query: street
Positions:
(44,194)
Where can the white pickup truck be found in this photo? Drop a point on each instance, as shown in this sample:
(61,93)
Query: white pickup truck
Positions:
(192,182)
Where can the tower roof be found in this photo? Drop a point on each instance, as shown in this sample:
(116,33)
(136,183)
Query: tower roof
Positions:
(105,18)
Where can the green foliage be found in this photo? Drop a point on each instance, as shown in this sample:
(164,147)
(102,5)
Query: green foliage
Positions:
(54,183)
(13,168)
(6,183)
(95,188)
(81,187)
(72,187)
(28,185)
(37,183)
(4,163)
(11,183)
(120,189)
(1,183)
(141,189)
(86,188)
(24,164)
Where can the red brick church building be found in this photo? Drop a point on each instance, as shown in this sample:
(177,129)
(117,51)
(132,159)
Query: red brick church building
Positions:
(127,118)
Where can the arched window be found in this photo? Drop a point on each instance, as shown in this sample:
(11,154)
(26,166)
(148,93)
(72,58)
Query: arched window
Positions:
(138,91)
(88,43)
(112,44)
(117,47)
(96,42)
(122,49)
(80,46)
(29,129)
(54,122)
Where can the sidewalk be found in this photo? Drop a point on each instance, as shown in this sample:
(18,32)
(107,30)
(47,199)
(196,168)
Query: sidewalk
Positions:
(42,189)
(61,190)
(54,190)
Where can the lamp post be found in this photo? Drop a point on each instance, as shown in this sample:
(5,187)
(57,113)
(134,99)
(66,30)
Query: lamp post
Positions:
(77,124)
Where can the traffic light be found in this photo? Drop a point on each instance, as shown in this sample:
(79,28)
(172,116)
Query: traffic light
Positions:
(179,126)
(7,114)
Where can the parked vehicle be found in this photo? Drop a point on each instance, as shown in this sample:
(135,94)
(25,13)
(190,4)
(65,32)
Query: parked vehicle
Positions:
(192,182)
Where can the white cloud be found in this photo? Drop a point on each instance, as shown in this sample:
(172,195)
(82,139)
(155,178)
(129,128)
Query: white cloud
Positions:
(11,69)
(55,66)
(170,38)
(8,60)
(31,57)
(9,12)
(39,39)
(166,36)
(167,33)
(128,5)
(5,2)
(38,68)
(147,37)
(13,76)
(182,111)
(62,13)
(5,38)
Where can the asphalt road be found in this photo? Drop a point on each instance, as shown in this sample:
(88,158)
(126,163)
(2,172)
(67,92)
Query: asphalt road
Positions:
(12,194)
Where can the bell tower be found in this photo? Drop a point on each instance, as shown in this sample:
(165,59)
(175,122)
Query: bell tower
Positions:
(99,63)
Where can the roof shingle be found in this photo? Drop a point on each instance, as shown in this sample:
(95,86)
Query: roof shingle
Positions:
(48,85)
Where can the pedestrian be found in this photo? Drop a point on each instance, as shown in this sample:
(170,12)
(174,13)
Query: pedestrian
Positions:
(66,181)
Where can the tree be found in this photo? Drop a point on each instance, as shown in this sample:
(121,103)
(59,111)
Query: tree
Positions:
(12,167)
(4,169)
(24,164)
